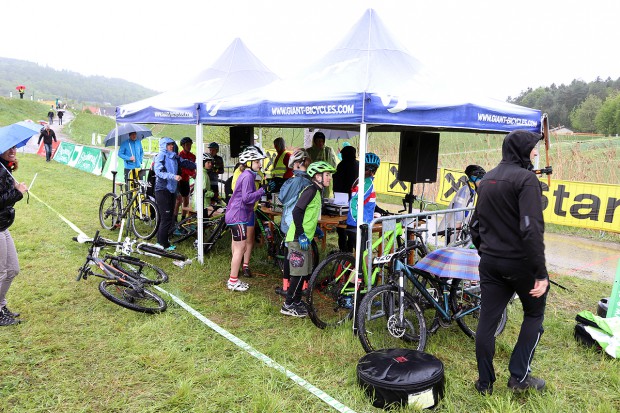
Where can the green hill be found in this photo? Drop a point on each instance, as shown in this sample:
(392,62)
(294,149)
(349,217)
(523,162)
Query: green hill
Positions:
(48,84)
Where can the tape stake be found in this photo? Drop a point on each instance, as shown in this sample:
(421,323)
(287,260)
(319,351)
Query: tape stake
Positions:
(335,404)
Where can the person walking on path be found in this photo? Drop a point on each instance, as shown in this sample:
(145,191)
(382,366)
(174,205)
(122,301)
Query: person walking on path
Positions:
(11,192)
(131,153)
(507,228)
(60,115)
(50,115)
(47,134)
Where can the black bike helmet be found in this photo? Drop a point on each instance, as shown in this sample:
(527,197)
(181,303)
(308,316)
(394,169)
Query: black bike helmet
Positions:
(207,157)
(214,145)
(475,172)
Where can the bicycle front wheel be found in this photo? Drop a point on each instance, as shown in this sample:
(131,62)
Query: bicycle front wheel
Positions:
(144,271)
(379,325)
(331,290)
(132,297)
(150,249)
(465,299)
(108,211)
(145,219)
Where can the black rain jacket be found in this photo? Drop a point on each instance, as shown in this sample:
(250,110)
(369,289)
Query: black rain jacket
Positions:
(508,219)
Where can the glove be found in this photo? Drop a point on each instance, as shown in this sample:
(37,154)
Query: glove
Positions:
(319,232)
(304,242)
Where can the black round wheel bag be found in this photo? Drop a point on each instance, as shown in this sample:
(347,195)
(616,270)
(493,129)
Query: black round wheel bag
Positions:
(400,377)
(603,305)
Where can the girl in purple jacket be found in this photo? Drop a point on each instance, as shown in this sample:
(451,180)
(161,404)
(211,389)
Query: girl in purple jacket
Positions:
(240,216)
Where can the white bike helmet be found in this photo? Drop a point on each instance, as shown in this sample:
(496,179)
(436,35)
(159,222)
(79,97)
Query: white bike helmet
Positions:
(298,156)
(251,153)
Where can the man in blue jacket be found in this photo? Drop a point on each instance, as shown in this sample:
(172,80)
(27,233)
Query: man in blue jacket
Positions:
(167,167)
(131,153)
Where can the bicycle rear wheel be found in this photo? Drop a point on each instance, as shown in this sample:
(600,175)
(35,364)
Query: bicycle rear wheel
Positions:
(378,322)
(145,219)
(144,271)
(331,289)
(465,298)
(108,211)
(132,297)
(183,230)
(150,249)
(213,230)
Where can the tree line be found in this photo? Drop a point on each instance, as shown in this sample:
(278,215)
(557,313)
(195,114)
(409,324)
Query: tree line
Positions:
(583,107)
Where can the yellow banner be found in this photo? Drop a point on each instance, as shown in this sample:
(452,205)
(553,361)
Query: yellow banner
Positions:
(575,204)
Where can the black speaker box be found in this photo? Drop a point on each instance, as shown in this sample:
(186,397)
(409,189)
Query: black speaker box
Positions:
(240,137)
(417,157)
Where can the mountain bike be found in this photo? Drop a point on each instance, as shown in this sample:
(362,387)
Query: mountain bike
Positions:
(133,204)
(391,316)
(334,282)
(188,227)
(123,261)
(118,286)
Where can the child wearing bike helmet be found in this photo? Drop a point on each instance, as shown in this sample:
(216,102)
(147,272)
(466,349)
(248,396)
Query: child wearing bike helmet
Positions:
(240,216)
(289,193)
(465,197)
(300,234)
(346,238)
(186,174)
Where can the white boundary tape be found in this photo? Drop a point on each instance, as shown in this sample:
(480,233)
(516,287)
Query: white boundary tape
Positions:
(260,356)
(232,338)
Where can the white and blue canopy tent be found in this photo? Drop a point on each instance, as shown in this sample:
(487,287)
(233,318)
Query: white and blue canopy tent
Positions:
(237,70)
(368,82)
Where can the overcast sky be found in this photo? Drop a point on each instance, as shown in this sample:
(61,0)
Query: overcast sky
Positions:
(498,47)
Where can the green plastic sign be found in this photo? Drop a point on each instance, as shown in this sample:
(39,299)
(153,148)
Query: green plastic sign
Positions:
(613,310)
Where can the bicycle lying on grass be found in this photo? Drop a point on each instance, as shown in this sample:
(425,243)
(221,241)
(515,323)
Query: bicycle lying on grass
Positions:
(389,316)
(125,288)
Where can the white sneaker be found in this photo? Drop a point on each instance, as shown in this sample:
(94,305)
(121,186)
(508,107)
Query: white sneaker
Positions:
(238,286)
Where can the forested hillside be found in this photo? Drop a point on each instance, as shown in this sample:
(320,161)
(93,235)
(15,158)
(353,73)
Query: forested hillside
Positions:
(583,107)
(48,84)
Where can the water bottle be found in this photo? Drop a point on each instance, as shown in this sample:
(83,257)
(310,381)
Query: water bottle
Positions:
(268,231)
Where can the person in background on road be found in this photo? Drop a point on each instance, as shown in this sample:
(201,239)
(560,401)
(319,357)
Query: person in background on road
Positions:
(131,153)
(11,192)
(186,174)
(280,171)
(60,115)
(167,166)
(464,197)
(507,228)
(347,238)
(50,115)
(218,169)
(300,234)
(320,152)
(47,134)
(240,216)
(289,193)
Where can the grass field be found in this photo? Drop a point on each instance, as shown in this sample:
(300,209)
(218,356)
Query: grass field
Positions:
(78,352)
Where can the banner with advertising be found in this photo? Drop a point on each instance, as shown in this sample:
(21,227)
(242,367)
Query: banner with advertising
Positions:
(64,152)
(89,160)
(576,204)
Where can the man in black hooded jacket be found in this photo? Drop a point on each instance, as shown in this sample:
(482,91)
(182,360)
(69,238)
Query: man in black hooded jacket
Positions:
(507,229)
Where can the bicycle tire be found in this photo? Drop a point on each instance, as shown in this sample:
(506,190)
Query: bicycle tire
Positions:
(432,316)
(213,232)
(145,219)
(132,297)
(183,230)
(327,305)
(160,252)
(463,297)
(377,321)
(142,270)
(108,211)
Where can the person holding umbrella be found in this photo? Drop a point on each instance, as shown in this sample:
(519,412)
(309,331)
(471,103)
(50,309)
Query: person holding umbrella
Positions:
(47,134)
(11,192)
(131,153)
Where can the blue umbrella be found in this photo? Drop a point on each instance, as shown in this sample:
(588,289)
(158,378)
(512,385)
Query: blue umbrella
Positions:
(17,134)
(451,262)
(124,130)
